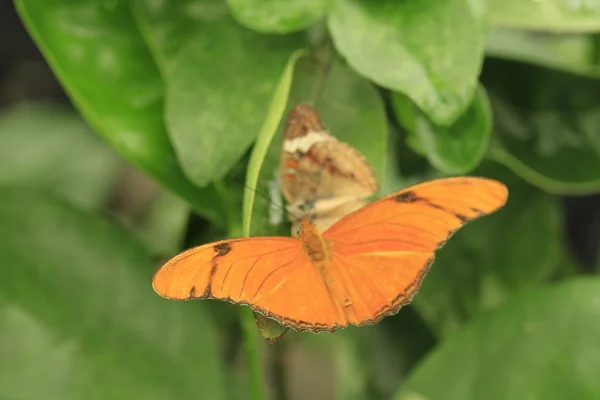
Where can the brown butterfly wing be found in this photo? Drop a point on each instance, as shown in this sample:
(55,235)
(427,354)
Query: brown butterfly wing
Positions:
(382,252)
(322,178)
(272,275)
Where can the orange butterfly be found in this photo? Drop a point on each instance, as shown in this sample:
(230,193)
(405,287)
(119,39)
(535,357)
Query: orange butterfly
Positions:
(322,179)
(364,267)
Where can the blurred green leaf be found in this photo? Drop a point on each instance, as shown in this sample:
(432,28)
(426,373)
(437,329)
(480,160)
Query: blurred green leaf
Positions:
(273,119)
(455,149)
(546,125)
(311,369)
(569,52)
(394,179)
(390,349)
(79,317)
(540,345)
(163,225)
(489,259)
(277,16)
(41,143)
(548,15)
(351,382)
(416,48)
(218,76)
(95,49)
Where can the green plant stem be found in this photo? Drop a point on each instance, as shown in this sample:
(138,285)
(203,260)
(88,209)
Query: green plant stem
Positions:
(267,131)
(251,347)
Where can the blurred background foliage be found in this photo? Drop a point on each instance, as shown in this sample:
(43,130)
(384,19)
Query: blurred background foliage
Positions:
(126,129)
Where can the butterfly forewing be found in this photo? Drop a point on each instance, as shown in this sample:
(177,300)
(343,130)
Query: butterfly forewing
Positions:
(273,275)
(382,252)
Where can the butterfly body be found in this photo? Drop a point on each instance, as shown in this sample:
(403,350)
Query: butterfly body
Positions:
(316,246)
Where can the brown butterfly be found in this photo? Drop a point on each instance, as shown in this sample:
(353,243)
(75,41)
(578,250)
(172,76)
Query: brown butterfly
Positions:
(322,179)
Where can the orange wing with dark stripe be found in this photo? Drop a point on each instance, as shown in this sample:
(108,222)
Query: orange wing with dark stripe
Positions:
(382,252)
(273,275)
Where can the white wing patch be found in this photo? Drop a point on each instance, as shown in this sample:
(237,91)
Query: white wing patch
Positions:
(304,143)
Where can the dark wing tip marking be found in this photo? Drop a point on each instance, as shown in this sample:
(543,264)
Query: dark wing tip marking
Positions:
(222,249)
(480,213)
(462,218)
(408,197)
(193,292)
(208,290)
(412,197)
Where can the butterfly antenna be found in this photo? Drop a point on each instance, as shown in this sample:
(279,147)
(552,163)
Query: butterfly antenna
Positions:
(264,196)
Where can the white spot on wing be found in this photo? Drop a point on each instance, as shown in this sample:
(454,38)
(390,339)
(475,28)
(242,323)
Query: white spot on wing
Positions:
(304,143)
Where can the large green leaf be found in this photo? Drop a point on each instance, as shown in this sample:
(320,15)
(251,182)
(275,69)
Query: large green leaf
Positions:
(263,144)
(40,145)
(569,52)
(218,76)
(547,15)
(163,223)
(78,315)
(454,149)
(489,259)
(543,344)
(546,125)
(278,16)
(98,54)
(415,47)
(96,51)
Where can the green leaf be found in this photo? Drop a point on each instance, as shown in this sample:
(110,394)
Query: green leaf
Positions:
(455,149)
(416,48)
(546,125)
(540,345)
(265,137)
(390,349)
(40,143)
(547,15)
(277,16)
(78,317)
(218,76)
(96,51)
(162,227)
(487,261)
(572,53)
